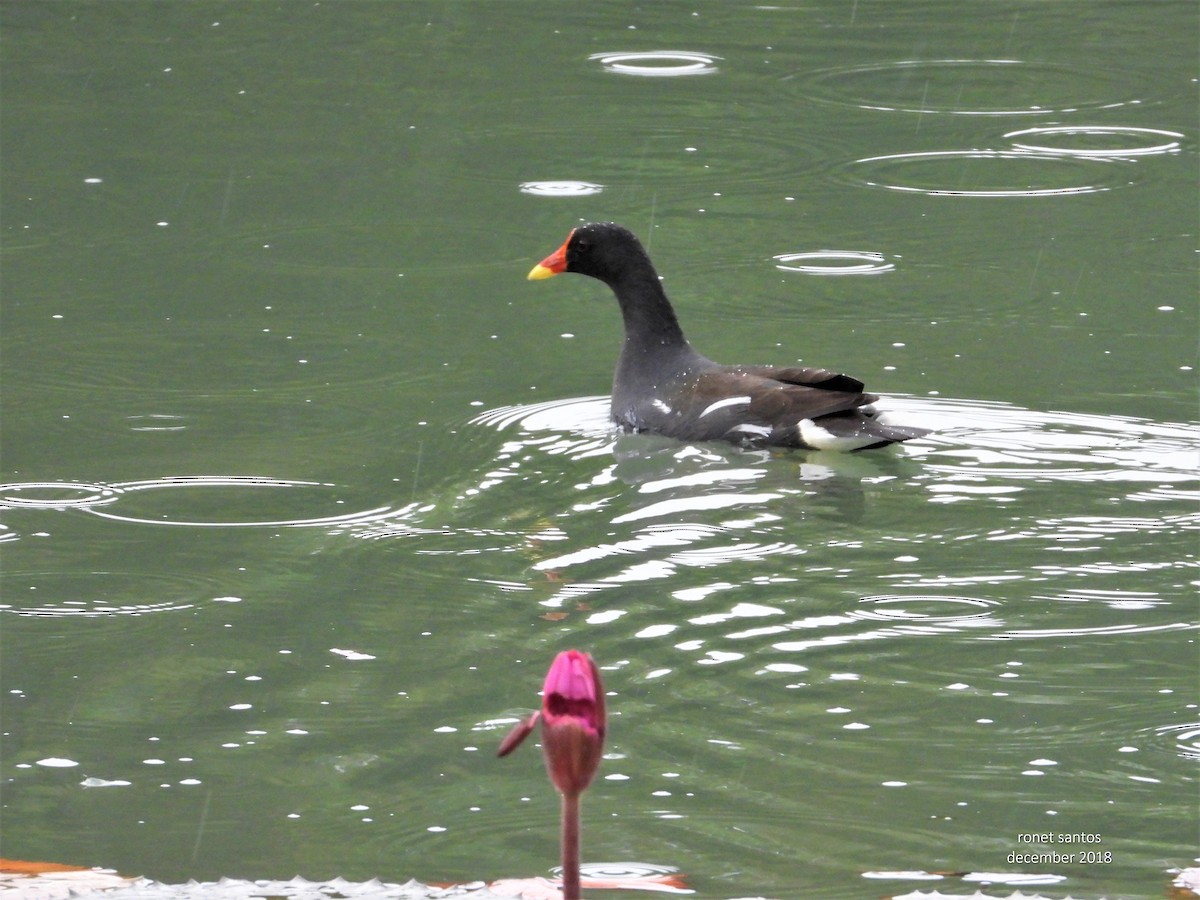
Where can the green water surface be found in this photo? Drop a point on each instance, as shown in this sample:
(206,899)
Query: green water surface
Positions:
(305,484)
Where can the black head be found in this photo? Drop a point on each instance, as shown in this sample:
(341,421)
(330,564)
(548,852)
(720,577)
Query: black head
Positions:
(603,250)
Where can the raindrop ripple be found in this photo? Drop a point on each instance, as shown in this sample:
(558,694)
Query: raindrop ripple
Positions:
(657,63)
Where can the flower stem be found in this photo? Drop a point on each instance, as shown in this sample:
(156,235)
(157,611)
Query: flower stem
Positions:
(570,847)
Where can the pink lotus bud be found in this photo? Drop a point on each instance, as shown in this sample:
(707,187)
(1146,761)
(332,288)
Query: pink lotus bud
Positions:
(573,721)
(573,726)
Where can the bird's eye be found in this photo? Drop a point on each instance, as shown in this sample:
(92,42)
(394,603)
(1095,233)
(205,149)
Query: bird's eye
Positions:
(583,245)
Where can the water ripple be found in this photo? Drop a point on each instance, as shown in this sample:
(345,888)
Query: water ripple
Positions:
(925,610)
(161,501)
(107,595)
(95,361)
(702,163)
(658,63)
(991,173)
(588,415)
(1185,738)
(733,519)
(561,188)
(978,449)
(834,262)
(974,87)
(1127,141)
(56,495)
(1094,631)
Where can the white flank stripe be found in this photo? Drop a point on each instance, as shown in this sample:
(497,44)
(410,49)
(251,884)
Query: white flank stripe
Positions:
(721,404)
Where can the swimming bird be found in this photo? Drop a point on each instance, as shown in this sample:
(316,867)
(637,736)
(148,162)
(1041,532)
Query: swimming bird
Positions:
(663,385)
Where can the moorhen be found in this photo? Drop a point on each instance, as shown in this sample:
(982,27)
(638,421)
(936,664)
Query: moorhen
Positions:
(664,386)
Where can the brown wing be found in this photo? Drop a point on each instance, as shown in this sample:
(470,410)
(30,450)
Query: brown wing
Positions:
(806,376)
(771,401)
(766,406)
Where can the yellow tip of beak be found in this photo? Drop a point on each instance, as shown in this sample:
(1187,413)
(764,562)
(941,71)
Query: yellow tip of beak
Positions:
(538,272)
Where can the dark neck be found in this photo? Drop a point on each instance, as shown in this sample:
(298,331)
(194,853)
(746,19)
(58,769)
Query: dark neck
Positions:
(650,321)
